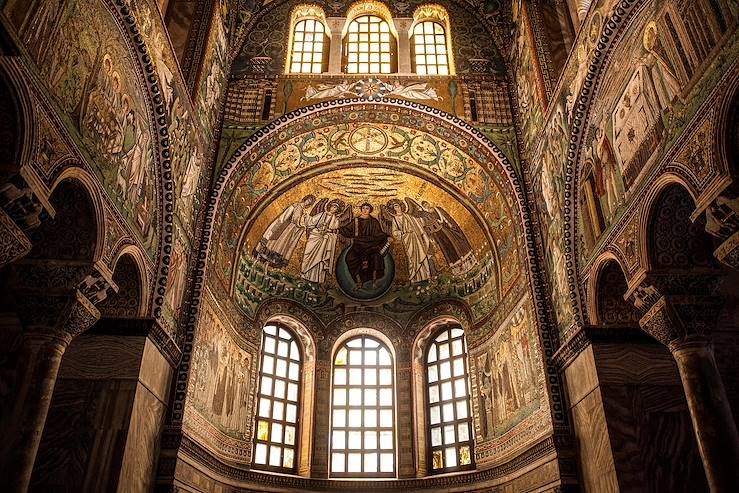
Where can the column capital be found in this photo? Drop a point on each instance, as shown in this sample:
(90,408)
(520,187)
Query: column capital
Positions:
(14,243)
(722,221)
(677,321)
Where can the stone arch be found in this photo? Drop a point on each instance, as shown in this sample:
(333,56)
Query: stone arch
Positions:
(17,125)
(129,275)
(353,323)
(617,22)
(666,228)
(75,232)
(607,305)
(90,184)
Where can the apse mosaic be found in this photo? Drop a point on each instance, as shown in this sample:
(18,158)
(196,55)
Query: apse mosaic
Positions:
(364,234)
(419,171)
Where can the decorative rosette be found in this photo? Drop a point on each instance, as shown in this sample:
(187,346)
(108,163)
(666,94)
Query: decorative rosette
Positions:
(370,89)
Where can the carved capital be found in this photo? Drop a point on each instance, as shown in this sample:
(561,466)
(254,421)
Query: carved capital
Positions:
(97,283)
(678,320)
(728,252)
(722,217)
(722,221)
(57,317)
(14,244)
(19,202)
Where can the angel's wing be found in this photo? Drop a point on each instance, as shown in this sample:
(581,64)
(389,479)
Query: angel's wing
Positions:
(386,219)
(413,208)
(347,216)
(319,207)
(448,219)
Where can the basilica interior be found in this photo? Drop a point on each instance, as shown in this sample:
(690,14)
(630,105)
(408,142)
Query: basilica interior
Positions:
(369,246)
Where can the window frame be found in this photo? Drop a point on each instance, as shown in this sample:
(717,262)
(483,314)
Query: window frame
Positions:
(343,344)
(447,46)
(325,53)
(298,403)
(429,448)
(345,45)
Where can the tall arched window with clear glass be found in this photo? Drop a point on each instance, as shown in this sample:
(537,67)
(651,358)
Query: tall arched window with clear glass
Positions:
(363,410)
(448,393)
(278,411)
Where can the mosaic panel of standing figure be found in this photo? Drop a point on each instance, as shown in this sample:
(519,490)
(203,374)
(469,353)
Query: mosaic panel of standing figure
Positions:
(528,76)
(550,200)
(639,113)
(186,132)
(177,279)
(221,378)
(509,374)
(213,75)
(350,236)
(90,75)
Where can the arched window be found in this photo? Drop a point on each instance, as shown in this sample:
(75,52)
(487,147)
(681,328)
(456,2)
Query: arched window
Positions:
(278,408)
(449,423)
(369,46)
(363,410)
(310,46)
(430,50)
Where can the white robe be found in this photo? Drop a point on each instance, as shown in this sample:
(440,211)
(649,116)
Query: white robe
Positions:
(318,258)
(283,234)
(409,230)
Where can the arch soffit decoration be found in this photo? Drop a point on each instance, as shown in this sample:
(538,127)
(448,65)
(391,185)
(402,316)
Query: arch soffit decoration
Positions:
(159,122)
(275,133)
(139,259)
(90,184)
(27,115)
(593,282)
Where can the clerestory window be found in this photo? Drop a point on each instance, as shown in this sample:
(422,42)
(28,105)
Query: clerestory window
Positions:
(363,410)
(310,47)
(430,53)
(369,46)
(449,424)
(278,407)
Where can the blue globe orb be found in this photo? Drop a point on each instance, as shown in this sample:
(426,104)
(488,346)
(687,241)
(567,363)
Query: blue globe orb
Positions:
(368,290)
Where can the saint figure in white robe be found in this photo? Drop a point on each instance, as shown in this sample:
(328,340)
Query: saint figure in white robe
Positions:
(318,257)
(281,237)
(409,231)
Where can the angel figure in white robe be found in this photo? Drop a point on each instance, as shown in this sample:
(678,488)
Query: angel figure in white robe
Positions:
(408,229)
(281,237)
(323,225)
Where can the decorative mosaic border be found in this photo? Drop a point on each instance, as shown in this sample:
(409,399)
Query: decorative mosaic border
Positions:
(497,156)
(165,191)
(613,29)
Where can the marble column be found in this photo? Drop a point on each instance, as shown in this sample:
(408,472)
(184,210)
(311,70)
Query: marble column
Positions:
(321,463)
(684,323)
(403,26)
(41,354)
(335,55)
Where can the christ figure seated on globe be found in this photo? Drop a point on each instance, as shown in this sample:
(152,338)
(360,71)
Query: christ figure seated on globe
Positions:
(370,242)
